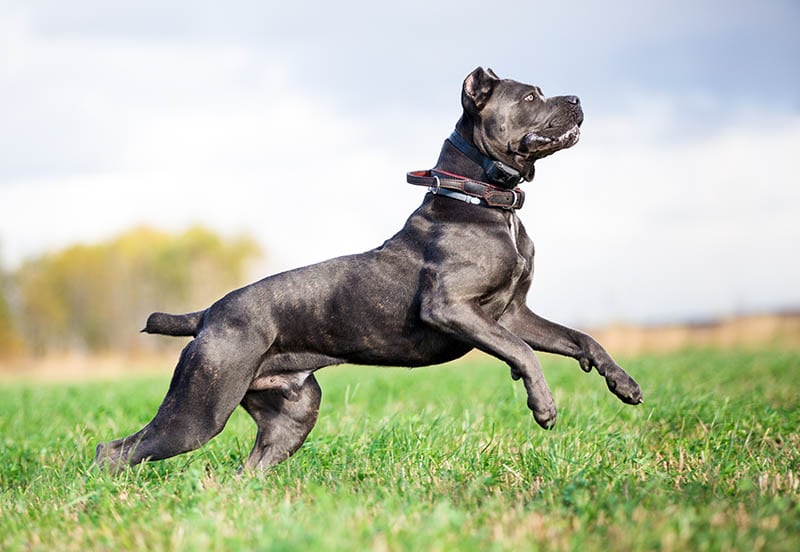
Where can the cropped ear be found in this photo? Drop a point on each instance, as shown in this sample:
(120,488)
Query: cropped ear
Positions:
(477,89)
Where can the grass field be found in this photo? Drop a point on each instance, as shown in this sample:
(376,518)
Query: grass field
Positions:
(445,458)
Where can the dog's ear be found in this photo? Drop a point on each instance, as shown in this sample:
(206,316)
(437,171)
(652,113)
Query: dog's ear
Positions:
(477,89)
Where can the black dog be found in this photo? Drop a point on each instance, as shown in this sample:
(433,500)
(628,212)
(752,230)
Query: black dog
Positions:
(453,279)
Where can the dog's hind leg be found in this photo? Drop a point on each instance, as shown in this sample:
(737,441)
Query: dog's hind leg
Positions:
(284,419)
(209,382)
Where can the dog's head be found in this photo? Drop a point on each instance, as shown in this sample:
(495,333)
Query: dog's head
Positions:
(515,123)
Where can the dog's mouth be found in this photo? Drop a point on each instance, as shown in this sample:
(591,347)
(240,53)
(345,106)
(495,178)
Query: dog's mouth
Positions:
(541,144)
(535,145)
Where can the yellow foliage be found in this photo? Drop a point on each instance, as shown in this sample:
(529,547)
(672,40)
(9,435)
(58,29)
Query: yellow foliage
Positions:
(96,297)
(11,343)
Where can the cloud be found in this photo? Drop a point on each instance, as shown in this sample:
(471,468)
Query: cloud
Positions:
(167,135)
(365,53)
(636,228)
(671,205)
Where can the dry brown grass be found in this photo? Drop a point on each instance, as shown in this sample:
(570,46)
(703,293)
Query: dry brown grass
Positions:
(82,366)
(742,332)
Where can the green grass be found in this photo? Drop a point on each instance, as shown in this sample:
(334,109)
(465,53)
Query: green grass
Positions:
(444,458)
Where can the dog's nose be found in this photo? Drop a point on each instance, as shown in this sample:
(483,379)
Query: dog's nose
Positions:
(574,100)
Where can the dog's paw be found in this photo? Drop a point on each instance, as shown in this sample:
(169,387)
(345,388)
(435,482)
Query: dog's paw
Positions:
(623,386)
(546,419)
(103,459)
(544,414)
(107,458)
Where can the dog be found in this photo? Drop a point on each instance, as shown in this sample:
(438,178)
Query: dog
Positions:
(453,279)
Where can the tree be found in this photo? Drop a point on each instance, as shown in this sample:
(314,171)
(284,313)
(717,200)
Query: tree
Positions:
(96,297)
(11,343)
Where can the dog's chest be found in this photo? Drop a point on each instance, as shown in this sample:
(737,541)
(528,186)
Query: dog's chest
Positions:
(522,246)
(513,228)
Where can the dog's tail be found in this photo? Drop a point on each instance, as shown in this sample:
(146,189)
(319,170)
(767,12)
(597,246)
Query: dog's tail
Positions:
(174,324)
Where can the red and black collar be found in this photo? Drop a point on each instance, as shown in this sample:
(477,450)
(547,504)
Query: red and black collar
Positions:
(467,189)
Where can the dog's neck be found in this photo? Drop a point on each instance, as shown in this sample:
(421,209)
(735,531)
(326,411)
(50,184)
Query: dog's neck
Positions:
(455,161)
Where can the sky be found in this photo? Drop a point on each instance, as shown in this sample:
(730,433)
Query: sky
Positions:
(295,122)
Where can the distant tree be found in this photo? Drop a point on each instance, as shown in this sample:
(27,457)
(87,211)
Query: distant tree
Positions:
(96,297)
(11,342)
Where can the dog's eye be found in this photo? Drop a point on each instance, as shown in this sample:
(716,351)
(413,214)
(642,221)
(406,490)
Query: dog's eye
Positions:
(529,98)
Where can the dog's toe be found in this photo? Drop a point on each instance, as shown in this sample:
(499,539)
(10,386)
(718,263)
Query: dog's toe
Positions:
(625,388)
(547,420)
(106,458)
(545,417)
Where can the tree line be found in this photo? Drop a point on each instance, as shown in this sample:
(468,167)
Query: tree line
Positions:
(95,298)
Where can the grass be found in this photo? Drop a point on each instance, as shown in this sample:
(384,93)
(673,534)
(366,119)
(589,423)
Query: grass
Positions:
(444,458)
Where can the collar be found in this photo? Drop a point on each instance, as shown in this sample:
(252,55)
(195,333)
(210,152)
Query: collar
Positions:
(497,171)
(467,190)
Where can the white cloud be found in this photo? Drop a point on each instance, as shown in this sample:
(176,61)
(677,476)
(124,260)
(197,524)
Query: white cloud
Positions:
(640,229)
(638,222)
(173,135)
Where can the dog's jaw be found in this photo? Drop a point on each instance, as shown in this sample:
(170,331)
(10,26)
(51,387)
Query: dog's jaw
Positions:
(538,145)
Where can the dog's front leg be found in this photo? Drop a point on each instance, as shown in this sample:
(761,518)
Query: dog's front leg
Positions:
(544,335)
(468,323)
